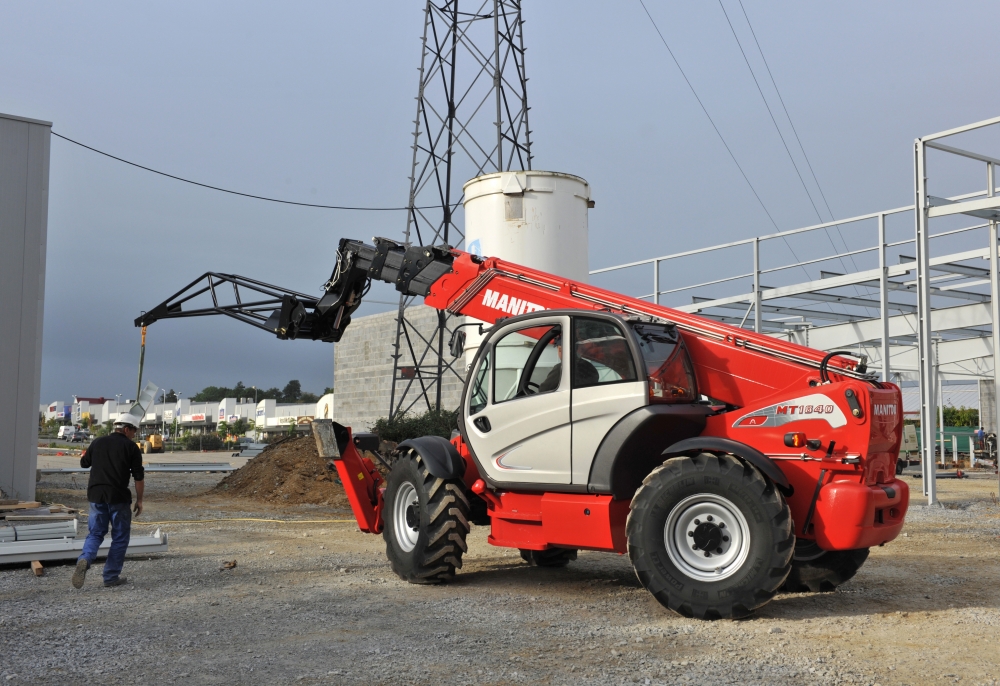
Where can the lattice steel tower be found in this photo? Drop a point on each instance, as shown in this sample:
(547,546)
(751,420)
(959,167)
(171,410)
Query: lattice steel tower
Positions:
(472,119)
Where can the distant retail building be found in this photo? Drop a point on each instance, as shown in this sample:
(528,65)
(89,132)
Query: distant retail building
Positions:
(268,416)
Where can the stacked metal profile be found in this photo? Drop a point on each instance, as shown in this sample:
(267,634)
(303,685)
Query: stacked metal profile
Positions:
(37,531)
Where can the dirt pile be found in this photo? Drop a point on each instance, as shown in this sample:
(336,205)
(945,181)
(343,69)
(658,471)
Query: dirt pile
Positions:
(289,472)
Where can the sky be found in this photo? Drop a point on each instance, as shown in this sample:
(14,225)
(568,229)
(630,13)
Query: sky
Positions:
(314,102)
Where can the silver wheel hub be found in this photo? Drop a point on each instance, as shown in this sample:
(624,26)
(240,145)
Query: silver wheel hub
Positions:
(406,517)
(707,537)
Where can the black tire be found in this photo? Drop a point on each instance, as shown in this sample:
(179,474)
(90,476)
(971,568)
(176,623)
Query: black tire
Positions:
(816,571)
(900,466)
(435,522)
(553,557)
(757,552)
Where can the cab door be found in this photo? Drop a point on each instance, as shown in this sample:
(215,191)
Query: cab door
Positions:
(606,387)
(518,412)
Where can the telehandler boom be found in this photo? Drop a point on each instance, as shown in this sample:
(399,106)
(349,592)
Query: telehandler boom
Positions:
(728,464)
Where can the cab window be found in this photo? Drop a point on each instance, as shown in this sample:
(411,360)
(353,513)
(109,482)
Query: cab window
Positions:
(527,362)
(601,354)
(480,385)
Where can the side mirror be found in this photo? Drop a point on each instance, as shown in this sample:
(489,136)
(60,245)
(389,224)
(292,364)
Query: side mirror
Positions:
(457,343)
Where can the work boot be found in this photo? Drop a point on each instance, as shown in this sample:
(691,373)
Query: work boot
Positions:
(81,573)
(120,581)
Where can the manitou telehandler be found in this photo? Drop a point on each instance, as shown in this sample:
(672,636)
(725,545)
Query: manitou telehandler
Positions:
(728,464)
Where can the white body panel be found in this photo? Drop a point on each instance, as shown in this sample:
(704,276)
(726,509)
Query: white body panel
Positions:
(529,441)
(594,411)
(529,437)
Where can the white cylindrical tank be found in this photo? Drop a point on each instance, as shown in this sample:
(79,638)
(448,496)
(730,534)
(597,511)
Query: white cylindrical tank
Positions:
(534,218)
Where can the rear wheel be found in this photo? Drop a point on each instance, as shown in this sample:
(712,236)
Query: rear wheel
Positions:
(553,557)
(426,522)
(818,570)
(709,536)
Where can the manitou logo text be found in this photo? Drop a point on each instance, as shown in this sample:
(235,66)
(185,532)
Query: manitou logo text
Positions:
(509,304)
(884,409)
(804,409)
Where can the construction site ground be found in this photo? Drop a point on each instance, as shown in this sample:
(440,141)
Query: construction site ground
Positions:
(317,603)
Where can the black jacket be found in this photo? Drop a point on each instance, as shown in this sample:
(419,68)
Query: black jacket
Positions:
(112,459)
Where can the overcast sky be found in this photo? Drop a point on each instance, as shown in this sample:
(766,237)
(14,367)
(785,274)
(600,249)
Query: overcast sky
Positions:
(314,102)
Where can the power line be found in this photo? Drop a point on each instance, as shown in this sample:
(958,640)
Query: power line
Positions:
(718,133)
(790,123)
(782,136)
(774,83)
(246,195)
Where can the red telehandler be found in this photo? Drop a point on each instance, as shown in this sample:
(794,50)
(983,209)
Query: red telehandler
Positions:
(729,465)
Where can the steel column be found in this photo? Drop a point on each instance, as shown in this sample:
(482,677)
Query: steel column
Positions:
(656,281)
(883,293)
(756,285)
(994,295)
(924,328)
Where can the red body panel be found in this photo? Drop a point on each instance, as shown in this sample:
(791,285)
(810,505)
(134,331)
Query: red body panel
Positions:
(851,515)
(362,484)
(536,521)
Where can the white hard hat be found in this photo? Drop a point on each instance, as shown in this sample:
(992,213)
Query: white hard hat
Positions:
(126,418)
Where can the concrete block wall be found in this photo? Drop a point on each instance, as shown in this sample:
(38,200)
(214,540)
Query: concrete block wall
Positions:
(362,368)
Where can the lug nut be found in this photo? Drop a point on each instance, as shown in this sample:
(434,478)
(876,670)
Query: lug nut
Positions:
(725,539)
(722,525)
(709,518)
(718,550)
(690,534)
(708,554)
(697,521)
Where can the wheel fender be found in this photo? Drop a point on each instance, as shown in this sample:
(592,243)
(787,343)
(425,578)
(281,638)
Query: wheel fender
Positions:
(746,453)
(440,456)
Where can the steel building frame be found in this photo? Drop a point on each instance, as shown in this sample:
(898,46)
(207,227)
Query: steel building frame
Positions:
(935,315)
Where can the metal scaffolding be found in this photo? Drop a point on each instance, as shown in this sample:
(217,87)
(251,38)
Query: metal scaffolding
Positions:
(928,317)
(472,119)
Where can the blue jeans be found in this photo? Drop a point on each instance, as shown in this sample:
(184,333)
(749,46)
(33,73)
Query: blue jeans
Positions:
(119,516)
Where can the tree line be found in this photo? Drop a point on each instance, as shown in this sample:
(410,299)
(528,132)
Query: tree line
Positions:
(291,393)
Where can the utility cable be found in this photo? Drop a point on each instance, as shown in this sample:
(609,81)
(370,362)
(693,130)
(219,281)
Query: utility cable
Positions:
(719,133)
(782,136)
(792,125)
(248,195)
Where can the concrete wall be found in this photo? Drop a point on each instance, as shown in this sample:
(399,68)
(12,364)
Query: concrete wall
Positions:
(24,206)
(362,368)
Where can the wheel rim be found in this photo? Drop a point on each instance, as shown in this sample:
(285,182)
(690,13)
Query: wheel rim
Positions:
(707,537)
(406,517)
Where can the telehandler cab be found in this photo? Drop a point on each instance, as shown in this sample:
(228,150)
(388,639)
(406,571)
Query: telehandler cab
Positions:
(728,464)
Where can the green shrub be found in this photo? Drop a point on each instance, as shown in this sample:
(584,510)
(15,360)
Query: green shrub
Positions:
(202,442)
(404,426)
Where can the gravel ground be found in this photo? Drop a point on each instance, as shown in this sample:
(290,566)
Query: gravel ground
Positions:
(317,603)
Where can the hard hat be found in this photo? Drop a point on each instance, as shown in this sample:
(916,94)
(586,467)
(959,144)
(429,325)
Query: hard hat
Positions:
(126,418)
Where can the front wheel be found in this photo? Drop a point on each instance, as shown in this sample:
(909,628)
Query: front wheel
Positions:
(426,522)
(710,537)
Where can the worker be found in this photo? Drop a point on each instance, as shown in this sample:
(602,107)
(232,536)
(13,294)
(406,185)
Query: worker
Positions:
(586,373)
(112,460)
(980,438)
